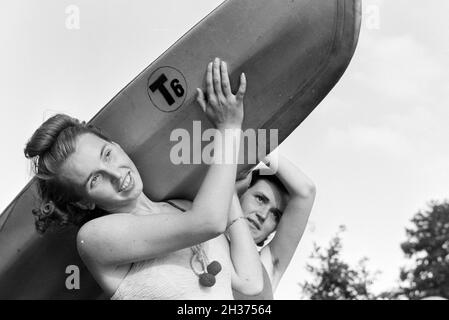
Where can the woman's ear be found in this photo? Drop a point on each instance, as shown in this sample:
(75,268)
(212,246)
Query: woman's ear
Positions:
(85,205)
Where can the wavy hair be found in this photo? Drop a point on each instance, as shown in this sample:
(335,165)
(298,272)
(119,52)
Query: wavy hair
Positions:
(48,148)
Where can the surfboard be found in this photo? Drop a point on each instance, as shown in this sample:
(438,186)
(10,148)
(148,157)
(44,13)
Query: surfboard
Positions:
(293,52)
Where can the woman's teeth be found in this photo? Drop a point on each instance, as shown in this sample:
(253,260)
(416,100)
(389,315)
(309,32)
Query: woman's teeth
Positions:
(126,182)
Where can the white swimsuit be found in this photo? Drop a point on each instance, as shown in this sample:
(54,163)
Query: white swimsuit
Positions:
(171,277)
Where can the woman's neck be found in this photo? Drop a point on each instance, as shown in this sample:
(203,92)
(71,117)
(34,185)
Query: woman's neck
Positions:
(139,205)
(143,203)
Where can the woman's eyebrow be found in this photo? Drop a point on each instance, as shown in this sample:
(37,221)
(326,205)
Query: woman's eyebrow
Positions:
(101,157)
(265,198)
(102,150)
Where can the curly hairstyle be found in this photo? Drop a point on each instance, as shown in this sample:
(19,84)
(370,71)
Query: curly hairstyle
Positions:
(49,147)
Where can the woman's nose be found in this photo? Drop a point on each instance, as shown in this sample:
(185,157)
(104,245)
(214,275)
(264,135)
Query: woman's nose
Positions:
(262,214)
(114,173)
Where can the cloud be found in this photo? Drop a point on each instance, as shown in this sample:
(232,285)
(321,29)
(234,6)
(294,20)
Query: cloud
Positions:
(399,68)
(380,140)
(427,21)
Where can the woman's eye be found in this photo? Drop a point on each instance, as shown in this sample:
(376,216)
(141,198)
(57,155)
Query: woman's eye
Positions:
(94,180)
(259,198)
(108,154)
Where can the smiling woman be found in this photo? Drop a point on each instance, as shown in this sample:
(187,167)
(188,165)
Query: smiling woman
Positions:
(52,143)
(104,173)
(136,248)
(299,68)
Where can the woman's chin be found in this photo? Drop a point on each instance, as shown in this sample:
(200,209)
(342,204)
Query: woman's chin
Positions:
(138,188)
(135,193)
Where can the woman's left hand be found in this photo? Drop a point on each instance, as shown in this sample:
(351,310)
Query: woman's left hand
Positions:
(242,183)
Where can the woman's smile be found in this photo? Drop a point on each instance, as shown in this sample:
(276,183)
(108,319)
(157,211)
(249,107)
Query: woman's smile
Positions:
(127,183)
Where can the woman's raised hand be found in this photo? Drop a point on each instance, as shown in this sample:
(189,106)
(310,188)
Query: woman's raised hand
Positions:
(223,108)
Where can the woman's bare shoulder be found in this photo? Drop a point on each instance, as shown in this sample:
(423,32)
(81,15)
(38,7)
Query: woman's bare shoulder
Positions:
(92,231)
(93,225)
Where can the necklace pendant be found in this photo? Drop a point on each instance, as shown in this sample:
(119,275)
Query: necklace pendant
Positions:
(214,268)
(207,279)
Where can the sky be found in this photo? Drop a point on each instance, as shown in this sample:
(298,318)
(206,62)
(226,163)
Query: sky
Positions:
(375,147)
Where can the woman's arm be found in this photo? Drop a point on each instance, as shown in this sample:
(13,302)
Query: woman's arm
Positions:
(247,275)
(124,238)
(294,219)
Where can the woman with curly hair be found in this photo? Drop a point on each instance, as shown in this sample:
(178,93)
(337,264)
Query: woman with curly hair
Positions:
(134,247)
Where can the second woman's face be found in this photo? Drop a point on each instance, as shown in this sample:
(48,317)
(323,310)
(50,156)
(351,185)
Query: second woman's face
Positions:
(262,205)
(104,172)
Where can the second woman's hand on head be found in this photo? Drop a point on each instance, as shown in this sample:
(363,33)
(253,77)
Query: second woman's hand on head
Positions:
(222,107)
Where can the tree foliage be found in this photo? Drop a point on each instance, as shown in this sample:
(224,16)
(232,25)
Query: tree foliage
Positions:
(333,278)
(427,246)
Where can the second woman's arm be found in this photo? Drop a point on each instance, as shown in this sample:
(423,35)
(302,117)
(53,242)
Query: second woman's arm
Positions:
(247,277)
